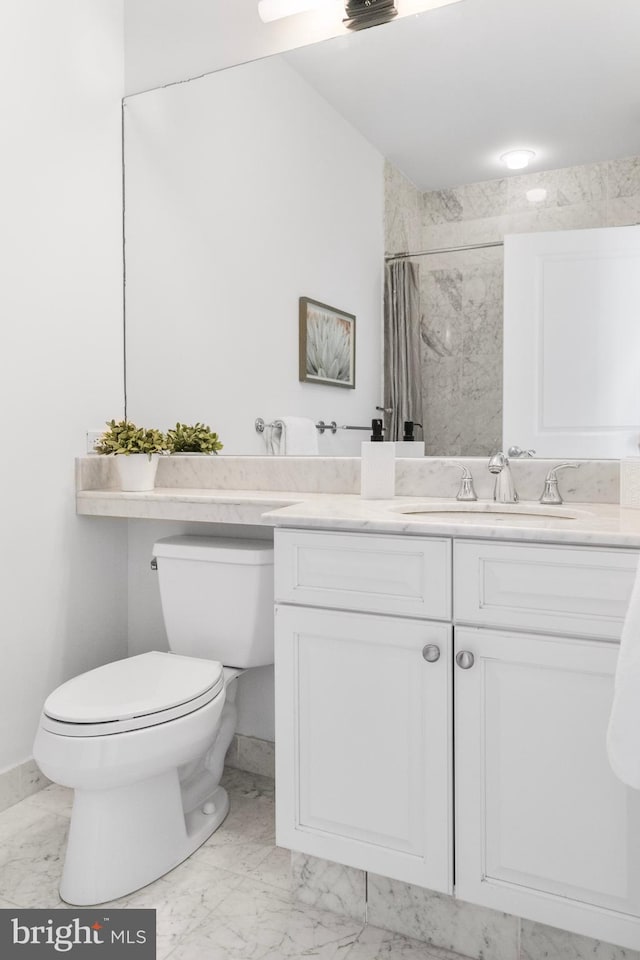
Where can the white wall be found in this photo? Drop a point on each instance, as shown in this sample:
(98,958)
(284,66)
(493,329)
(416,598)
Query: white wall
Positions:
(244,191)
(63,579)
(170,40)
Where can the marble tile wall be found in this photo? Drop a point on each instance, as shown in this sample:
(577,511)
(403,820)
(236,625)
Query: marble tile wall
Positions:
(252,755)
(597,481)
(461,293)
(20,782)
(402,212)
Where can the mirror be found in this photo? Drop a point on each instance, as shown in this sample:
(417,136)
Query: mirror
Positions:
(294,176)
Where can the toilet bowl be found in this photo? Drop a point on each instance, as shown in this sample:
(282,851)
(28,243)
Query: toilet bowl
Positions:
(142,741)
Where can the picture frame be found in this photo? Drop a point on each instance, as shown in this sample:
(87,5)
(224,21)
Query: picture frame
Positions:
(327,345)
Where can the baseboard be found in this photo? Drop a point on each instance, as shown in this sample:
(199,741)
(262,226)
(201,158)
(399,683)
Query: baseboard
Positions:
(252,755)
(20,782)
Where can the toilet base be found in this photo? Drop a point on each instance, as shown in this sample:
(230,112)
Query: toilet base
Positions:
(123,839)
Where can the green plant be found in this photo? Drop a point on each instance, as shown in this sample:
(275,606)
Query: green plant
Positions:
(125,438)
(196,438)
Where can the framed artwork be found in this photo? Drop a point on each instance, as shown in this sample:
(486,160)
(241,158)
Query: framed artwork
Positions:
(327,345)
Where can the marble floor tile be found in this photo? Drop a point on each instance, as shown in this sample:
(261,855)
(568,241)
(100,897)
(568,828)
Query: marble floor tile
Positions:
(435,918)
(182,899)
(31,858)
(274,870)
(247,820)
(329,886)
(252,924)
(240,858)
(54,798)
(539,942)
(377,944)
(242,785)
(231,900)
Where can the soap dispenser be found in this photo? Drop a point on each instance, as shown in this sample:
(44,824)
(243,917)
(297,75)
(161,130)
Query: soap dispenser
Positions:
(409,446)
(378,466)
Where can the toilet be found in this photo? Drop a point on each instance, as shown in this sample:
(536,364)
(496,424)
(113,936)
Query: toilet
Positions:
(142,741)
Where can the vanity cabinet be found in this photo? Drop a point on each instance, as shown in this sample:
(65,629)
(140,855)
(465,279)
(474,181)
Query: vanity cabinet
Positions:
(526,635)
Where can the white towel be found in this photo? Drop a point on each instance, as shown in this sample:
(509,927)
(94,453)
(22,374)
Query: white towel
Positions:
(623,736)
(294,437)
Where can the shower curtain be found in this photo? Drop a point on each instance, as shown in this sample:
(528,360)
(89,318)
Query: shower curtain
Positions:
(402,366)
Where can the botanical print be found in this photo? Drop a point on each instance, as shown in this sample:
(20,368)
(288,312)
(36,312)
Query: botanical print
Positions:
(327,344)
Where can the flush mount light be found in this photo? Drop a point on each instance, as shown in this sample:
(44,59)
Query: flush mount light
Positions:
(368,13)
(269,10)
(517,159)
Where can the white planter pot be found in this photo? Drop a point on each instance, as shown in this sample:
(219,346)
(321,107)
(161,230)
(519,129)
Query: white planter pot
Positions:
(137,471)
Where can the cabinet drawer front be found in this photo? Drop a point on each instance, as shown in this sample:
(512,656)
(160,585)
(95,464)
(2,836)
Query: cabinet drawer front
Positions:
(407,576)
(575,590)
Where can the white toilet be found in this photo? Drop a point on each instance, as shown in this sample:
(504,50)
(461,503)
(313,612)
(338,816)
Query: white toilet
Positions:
(142,741)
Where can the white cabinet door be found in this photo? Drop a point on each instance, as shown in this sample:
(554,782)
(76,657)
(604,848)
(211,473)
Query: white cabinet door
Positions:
(364,751)
(543,828)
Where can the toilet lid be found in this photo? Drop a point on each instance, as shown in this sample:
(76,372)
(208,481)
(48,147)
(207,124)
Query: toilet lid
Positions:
(135,687)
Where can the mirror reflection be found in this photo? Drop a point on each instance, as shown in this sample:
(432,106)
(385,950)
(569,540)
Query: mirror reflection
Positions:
(303,175)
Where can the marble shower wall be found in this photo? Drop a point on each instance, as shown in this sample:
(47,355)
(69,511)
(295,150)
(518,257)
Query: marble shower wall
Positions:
(461,293)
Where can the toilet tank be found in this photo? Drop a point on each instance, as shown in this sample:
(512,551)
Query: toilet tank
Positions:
(217,598)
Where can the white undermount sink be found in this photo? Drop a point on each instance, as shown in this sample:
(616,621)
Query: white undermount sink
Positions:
(497,511)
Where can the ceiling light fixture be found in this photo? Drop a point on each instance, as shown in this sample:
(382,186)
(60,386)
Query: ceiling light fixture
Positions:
(269,10)
(368,13)
(517,159)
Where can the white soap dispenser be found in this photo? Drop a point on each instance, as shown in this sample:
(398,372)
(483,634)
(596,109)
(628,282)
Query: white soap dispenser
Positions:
(378,466)
(409,446)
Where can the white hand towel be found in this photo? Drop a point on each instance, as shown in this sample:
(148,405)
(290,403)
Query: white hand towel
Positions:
(298,437)
(623,736)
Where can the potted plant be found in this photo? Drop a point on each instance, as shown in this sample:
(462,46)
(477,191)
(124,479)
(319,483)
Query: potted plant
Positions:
(136,450)
(196,438)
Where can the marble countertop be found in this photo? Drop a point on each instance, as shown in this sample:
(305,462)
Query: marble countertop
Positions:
(601,524)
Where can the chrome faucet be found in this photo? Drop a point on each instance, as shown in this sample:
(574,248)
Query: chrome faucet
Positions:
(504,490)
(550,493)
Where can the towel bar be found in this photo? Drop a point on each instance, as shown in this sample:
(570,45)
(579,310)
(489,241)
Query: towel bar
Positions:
(321,426)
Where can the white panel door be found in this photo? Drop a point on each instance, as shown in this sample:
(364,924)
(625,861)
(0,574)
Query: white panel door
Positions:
(364,742)
(544,830)
(572,342)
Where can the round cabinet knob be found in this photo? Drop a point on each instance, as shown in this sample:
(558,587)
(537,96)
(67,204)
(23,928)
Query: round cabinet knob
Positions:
(465,660)
(431,652)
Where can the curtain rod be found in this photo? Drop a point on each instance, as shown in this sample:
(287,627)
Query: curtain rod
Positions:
(429,253)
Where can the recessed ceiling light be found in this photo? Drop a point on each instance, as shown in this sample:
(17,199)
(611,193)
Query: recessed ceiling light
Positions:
(517,159)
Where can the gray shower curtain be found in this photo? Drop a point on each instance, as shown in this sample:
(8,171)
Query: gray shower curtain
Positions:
(402,366)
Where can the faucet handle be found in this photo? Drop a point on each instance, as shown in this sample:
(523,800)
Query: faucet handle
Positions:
(516,452)
(550,492)
(466,490)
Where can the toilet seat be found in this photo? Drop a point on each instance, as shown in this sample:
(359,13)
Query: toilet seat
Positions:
(131,694)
